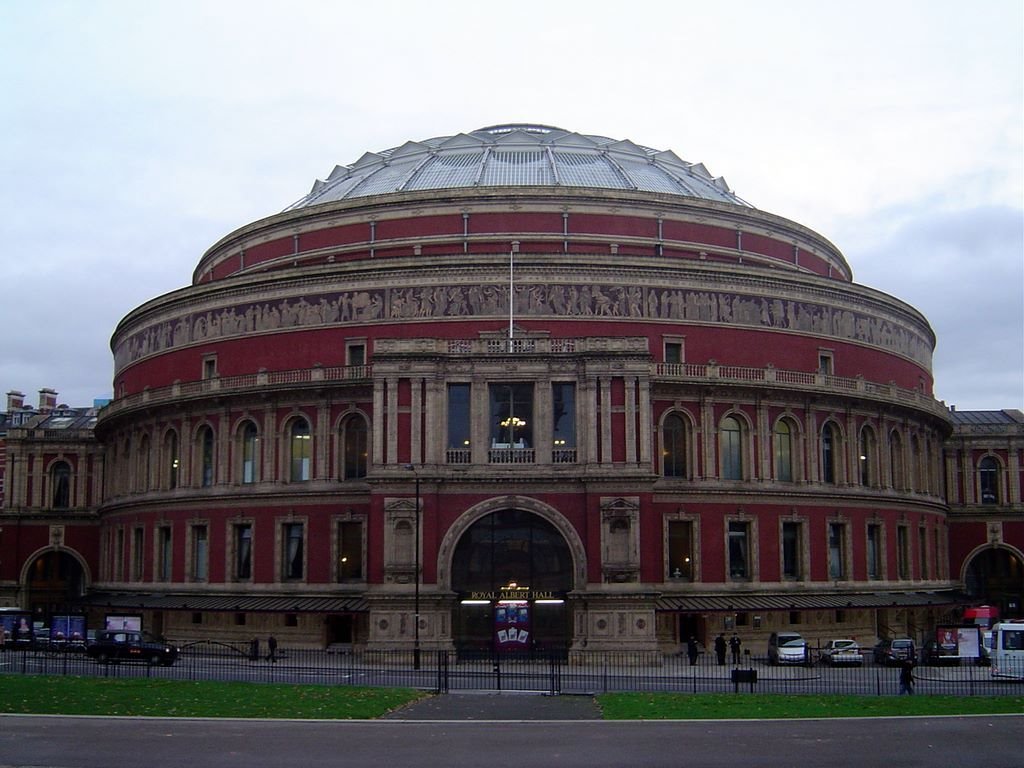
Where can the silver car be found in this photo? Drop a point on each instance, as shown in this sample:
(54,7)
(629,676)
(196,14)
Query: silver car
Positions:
(787,648)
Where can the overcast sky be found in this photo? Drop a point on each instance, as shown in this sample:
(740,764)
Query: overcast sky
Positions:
(136,134)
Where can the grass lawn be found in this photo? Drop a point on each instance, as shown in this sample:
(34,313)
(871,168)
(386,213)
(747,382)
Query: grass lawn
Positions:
(671,706)
(28,694)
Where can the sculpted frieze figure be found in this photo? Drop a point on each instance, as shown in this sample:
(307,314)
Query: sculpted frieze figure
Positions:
(531,299)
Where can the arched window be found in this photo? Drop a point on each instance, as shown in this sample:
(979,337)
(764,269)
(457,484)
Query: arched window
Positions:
(60,476)
(829,449)
(249,445)
(988,480)
(673,436)
(896,460)
(730,447)
(782,439)
(206,449)
(353,448)
(300,450)
(172,459)
(867,457)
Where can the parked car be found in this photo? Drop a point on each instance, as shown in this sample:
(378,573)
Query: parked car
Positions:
(933,654)
(895,650)
(787,648)
(128,645)
(841,652)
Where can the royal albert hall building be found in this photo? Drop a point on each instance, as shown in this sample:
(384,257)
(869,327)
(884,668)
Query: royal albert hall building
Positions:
(523,376)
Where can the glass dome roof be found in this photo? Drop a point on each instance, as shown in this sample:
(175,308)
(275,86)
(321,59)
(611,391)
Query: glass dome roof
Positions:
(519,154)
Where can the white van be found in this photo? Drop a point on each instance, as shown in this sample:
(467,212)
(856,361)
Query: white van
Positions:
(1007,652)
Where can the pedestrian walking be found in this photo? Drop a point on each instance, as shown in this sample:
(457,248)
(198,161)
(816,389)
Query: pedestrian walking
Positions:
(720,648)
(734,645)
(691,650)
(254,649)
(907,677)
(272,647)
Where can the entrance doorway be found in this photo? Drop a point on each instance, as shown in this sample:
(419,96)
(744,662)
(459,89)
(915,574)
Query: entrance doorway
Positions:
(512,570)
(55,582)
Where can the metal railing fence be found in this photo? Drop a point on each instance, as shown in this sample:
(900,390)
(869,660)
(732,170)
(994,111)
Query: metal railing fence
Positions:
(557,673)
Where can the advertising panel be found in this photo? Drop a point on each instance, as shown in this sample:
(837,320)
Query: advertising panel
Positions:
(67,630)
(130,621)
(17,629)
(511,625)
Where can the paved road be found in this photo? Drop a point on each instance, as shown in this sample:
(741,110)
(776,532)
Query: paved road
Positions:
(62,742)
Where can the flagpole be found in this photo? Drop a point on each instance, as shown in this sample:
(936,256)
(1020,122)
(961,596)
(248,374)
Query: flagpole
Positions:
(511,290)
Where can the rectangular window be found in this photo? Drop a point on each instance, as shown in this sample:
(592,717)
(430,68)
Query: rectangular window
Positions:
(356,354)
(902,553)
(119,555)
(739,550)
(674,352)
(680,549)
(350,551)
(836,554)
(243,551)
(511,408)
(922,547)
(197,617)
(794,617)
(293,557)
(826,362)
(239,619)
(210,367)
(200,553)
(792,547)
(563,422)
(163,560)
(459,421)
(138,552)
(874,550)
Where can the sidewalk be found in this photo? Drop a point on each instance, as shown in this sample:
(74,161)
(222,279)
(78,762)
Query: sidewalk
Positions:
(508,706)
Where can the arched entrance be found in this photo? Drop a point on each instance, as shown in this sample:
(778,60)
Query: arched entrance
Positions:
(54,581)
(995,576)
(512,570)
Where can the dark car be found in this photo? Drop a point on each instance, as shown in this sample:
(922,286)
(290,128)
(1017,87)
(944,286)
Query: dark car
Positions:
(895,650)
(129,645)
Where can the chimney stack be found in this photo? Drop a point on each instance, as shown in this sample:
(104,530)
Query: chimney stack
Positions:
(47,400)
(15,401)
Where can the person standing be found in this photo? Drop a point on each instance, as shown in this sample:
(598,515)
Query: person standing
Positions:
(907,677)
(720,648)
(691,650)
(735,644)
(272,647)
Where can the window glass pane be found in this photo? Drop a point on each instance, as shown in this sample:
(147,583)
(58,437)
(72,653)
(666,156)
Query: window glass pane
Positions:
(300,450)
(988,474)
(563,416)
(828,469)
(249,453)
(243,552)
(791,550)
(61,485)
(511,415)
(458,416)
(739,555)
(293,554)
(206,438)
(200,553)
(731,449)
(783,452)
(350,551)
(355,448)
(680,549)
(874,551)
(674,447)
(835,551)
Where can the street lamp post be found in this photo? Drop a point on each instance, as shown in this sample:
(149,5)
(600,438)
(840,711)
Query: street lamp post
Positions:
(416,586)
